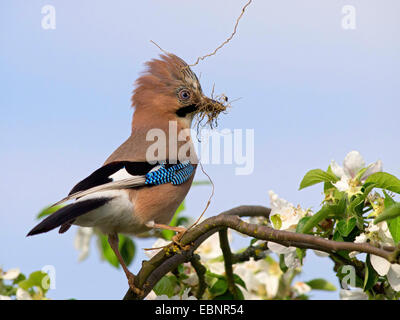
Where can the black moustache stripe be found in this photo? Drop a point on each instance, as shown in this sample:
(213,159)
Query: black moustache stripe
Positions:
(182,112)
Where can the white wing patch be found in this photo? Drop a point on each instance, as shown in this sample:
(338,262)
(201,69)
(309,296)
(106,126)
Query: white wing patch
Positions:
(121,175)
(120,180)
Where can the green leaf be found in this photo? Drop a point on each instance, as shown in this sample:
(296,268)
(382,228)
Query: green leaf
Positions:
(301,253)
(166,286)
(127,249)
(301,224)
(337,236)
(107,253)
(361,173)
(344,271)
(321,284)
(385,181)
(371,276)
(388,200)
(345,226)
(316,218)
(276,221)
(367,188)
(316,176)
(201,183)
(282,263)
(328,185)
(19,278)
(214,275)
(182,221)
(48,210)
(219,287)
(392,212)
(240,293)
(393,224)
(356,205)
(35,279)
(239,281)
(323,213)
(25,284)
(394,228)
(226,296)
(252,241)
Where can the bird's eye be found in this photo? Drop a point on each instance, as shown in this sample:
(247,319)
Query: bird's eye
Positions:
(184,94)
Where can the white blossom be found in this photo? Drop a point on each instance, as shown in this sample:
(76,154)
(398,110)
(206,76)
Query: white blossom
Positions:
(355,294)
(192,280)
(301,288)
(82,242)
(290,254)
(284,216)
(321,254)
(10,274)
(184,296)
(23,295)
(217,267)
(210,248)
(261,278)
(287,215)
(380,233)
(352,164)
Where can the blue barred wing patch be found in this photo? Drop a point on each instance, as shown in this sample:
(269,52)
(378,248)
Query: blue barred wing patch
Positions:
(176,174)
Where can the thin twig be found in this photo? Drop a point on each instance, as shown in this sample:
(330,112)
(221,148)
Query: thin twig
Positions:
(206,207)
(209,199)
(200,271)
(164,51)
(226,41)
(226,251)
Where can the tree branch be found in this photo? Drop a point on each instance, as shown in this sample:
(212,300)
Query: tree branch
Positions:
(256,252)
(171,256)
(200,271)
(226,251)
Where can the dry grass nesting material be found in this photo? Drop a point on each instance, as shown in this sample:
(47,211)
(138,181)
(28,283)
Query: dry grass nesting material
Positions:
(210,109)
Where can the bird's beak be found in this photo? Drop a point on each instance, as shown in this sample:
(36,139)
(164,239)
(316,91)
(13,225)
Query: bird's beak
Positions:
(210,108)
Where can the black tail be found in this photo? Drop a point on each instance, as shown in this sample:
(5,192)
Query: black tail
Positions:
(67,213)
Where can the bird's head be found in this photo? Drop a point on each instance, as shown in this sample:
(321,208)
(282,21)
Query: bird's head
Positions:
(170,89)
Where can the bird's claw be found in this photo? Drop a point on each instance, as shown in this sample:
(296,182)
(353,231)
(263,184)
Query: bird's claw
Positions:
(176,239)
(131,282)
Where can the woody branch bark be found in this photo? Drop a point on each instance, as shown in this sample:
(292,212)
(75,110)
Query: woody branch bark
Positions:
(200,271)
(170,257)
(227,253)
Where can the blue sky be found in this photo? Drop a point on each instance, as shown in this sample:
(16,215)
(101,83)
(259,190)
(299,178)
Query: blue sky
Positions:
(311,91)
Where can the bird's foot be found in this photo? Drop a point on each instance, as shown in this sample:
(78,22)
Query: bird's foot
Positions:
(176,239)
(131,281)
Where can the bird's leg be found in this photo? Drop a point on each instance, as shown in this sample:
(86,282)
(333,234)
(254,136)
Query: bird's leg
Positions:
(113,240)
(176,238)
(153,225)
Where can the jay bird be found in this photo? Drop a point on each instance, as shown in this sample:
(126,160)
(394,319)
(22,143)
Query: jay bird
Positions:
(137,190)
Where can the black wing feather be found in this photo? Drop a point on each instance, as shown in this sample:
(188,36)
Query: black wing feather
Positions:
(68,213)
(102,175)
